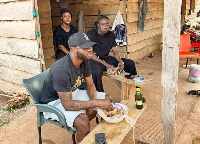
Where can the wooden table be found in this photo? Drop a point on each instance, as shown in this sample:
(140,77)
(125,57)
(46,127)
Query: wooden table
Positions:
(127,86)
(118,133)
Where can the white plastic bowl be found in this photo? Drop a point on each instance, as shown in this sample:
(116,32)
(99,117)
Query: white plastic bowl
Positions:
(117,118)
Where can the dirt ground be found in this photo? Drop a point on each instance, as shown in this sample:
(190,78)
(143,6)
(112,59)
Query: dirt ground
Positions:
(6,116)
(20,127)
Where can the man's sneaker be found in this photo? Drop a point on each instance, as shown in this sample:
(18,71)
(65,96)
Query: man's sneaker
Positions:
(131,76)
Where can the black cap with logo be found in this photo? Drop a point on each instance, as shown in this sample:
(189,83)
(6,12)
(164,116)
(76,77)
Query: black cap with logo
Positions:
(81,40)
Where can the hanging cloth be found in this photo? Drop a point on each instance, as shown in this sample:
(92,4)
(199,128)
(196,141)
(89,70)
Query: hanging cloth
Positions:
(118,20)
(81,25)
(142,14)
(119,30)
(120,34)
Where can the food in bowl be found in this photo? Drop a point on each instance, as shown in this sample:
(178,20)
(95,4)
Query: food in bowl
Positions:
(118,114)
(116,111)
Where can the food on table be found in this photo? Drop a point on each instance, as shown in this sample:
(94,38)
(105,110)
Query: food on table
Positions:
(116,111)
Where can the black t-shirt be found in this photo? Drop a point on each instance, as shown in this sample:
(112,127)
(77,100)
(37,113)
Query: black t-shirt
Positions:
(104,43)
(60,37)
(63,77)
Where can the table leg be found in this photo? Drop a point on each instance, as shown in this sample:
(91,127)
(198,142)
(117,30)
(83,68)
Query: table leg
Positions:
(129,138)
(127,91)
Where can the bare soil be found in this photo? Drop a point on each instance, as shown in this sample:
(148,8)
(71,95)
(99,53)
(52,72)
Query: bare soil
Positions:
(7,116)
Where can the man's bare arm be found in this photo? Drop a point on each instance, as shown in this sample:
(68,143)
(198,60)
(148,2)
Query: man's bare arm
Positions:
(117,56)
(91,89)
(69,104)
(95,58)
(63,49)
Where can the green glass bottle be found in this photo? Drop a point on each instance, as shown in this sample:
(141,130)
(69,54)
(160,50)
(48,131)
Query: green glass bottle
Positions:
(138,98)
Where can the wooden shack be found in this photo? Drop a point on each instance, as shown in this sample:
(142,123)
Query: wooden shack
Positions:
(26,32)
(26,41)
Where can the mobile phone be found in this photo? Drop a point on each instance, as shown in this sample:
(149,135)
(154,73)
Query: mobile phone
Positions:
(100,138)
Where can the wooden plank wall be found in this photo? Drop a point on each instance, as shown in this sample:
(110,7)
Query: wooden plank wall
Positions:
(143,43)
(139,43)
(197,8)
(44,10)
(91,10)
(19,50)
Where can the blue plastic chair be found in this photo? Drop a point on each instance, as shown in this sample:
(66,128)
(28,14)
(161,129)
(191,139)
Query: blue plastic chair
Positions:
(34,87)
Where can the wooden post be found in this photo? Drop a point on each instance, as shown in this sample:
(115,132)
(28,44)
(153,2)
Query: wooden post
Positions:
(183,13)
(170,60)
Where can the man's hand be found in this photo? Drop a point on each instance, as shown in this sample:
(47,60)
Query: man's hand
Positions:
(121,65)
(106,105)
(109,66)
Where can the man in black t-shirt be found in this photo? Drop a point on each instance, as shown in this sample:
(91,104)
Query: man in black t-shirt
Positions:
(62,33)
(61,90)
(106,42)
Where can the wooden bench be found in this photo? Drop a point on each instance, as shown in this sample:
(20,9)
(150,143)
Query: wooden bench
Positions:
(118,133)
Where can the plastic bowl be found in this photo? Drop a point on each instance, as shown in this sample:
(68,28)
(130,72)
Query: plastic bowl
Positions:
(117,118)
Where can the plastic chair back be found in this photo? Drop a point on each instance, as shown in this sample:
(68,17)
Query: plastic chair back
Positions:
(34,85)
(185,43)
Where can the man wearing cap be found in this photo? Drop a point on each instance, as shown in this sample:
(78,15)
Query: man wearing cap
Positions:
(62,33)
(61,90)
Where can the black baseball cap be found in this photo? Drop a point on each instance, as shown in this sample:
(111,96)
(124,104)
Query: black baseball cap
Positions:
(81,40)
(64,10)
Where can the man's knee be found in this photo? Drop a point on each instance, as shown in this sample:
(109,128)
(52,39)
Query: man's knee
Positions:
(82,124)
(91,113)
(129,62)
(133,63)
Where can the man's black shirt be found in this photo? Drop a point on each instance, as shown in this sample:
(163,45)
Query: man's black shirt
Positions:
(104,43)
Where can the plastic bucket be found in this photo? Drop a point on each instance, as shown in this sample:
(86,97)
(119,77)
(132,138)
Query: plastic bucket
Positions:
(194,73)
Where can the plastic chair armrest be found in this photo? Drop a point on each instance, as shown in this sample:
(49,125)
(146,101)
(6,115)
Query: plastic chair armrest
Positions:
(49,108)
